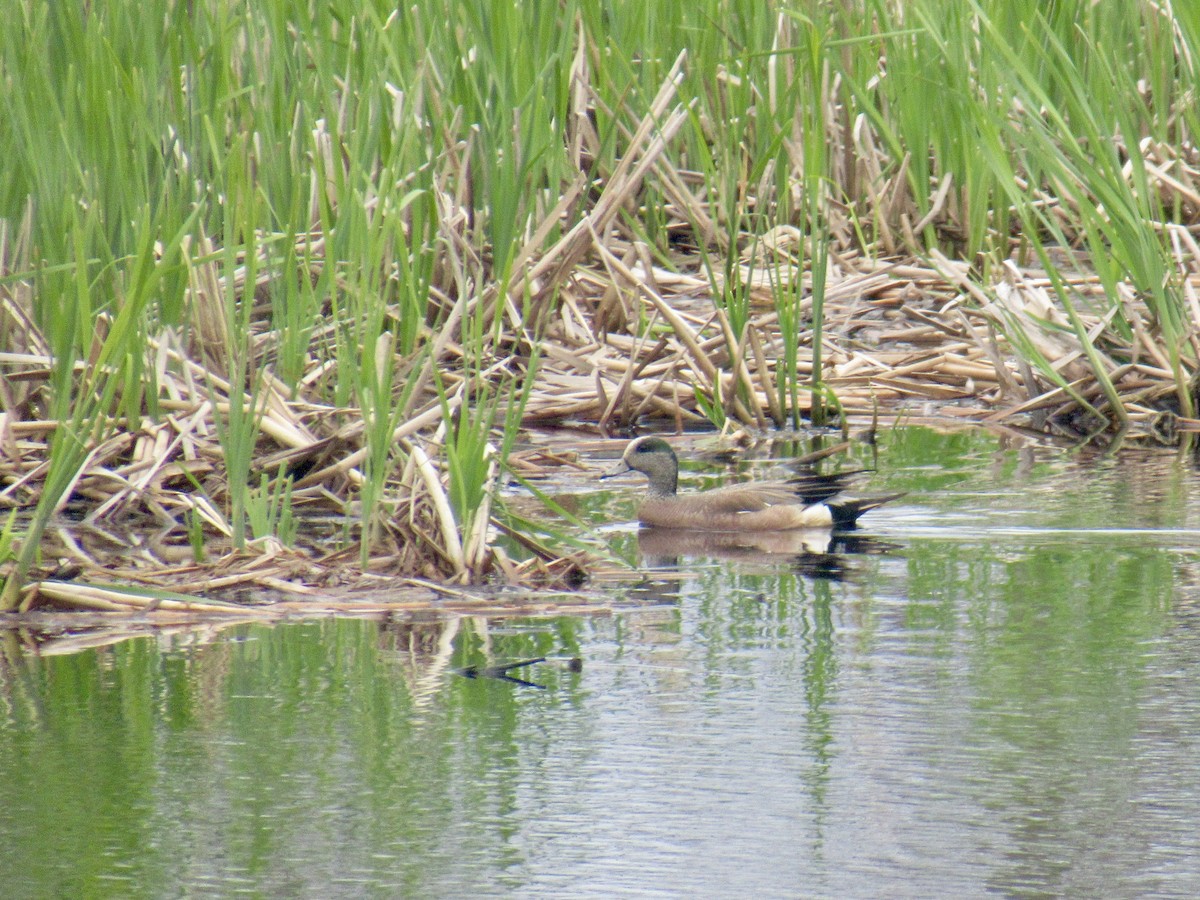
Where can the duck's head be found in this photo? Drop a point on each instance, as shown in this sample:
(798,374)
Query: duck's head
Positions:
(653,457)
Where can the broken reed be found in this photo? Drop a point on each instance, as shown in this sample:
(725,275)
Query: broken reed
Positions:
(307,217)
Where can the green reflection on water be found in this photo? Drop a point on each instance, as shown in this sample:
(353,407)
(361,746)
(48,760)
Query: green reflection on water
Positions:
(144,766)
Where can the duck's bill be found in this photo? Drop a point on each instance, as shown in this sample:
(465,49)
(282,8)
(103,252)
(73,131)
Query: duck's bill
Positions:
(619,469)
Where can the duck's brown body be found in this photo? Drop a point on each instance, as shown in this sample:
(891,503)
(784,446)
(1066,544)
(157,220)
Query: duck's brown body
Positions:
(806,502)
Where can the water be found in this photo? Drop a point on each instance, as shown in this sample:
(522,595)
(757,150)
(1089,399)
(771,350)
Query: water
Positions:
(999,697)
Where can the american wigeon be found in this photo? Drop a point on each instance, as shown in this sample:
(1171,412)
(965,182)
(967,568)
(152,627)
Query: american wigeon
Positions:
(807,501)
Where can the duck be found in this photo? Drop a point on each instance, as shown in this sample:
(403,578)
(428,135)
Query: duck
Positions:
(808,501)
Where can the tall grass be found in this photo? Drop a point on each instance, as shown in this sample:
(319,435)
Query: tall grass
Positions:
(359,186)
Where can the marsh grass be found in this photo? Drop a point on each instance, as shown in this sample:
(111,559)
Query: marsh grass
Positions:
(357,248)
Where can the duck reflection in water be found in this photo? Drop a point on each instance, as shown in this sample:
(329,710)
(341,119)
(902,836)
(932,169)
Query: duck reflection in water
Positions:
(814,552)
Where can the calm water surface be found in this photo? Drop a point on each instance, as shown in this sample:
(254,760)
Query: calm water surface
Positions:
(995,691)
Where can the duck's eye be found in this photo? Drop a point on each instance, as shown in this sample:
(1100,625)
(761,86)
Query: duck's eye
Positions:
(644,448)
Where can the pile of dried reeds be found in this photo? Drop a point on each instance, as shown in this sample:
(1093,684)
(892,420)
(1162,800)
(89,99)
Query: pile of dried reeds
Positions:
(906,340)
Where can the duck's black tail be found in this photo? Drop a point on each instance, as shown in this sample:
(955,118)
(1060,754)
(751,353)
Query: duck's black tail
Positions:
(846,510)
